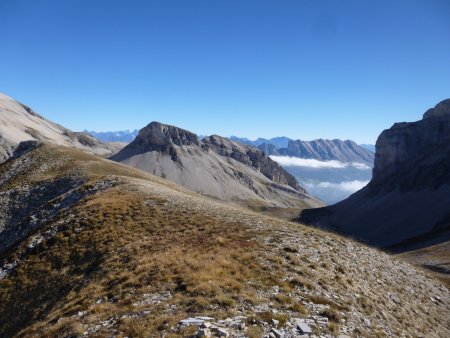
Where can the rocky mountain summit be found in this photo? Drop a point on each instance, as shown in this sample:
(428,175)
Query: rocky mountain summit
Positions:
(214,166)
(406,204)
(19,122)
(94,248)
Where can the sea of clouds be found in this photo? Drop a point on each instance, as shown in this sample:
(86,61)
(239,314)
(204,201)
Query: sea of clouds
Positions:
(331,181)
(311,163)
(348,186)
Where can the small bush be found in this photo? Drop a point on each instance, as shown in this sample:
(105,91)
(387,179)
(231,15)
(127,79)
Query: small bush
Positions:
(299,308)
(268,316)
(301,282)
(331,314)
(283,299)
(225,301)
(334,328)
(254,331)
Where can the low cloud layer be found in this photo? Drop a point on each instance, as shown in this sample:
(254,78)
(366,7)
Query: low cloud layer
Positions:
(311,163)
(347,186)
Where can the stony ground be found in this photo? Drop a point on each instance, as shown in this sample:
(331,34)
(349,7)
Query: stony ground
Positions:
(145,258)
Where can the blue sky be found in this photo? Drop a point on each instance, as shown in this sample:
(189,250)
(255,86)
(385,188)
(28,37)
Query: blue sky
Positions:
(303,69)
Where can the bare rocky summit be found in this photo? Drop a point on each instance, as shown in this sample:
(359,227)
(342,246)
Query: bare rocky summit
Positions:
(214,166)
(19,122)
(406,204)
(95,248)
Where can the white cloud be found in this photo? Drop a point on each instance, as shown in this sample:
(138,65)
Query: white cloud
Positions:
(359,165)
(311,163)
(348,186)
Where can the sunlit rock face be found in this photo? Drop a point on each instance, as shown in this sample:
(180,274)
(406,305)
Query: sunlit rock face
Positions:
(214,166)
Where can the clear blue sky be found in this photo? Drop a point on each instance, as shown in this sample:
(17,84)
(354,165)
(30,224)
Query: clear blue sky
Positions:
(303,69)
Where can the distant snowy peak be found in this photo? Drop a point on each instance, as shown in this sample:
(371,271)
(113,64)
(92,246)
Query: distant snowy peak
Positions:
(114,136)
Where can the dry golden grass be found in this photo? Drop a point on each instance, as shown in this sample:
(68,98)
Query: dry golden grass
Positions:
(254,331)
(126,249)
(146,253)
(434,260)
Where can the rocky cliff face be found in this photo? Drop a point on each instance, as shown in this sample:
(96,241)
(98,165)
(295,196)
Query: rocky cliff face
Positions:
(323,150)
(406,203)
(215,166)
(420,143)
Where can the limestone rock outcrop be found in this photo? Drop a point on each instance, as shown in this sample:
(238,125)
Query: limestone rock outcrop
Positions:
(406,204)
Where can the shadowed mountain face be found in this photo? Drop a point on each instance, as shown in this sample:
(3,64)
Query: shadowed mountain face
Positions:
(214,166)
(20,123)
(406,204)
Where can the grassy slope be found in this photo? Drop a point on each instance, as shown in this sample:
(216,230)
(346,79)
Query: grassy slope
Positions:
(435,258)
(146,253)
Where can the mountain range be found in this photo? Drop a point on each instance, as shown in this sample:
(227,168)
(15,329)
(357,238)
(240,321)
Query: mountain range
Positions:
(90,247)
(114,136)
(214,166)
(330,183)
(322,150)
(278,142)
(331,170)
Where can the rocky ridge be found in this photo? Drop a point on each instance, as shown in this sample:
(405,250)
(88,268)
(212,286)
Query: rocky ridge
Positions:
(36,202)
(19,122)
(146,257)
